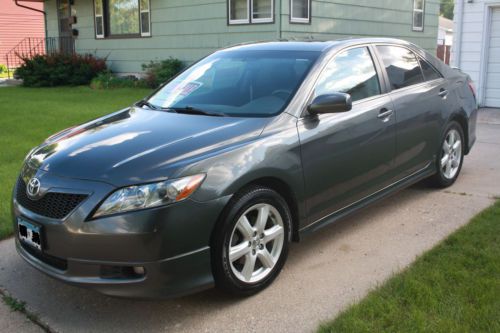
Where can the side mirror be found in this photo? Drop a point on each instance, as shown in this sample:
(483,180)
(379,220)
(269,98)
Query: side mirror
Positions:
(330,103)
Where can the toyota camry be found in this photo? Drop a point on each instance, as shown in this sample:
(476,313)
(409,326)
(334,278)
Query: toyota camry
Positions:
(209,179)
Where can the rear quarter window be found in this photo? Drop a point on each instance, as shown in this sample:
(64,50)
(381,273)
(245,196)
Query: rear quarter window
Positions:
(429,72)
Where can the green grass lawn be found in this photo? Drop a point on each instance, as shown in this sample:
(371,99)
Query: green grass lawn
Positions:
(455,287)
(28,116)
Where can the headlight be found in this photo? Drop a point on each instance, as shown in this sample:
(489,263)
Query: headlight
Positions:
(149,195)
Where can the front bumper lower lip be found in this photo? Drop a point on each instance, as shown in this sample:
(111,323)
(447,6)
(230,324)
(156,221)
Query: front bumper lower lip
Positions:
(171,277)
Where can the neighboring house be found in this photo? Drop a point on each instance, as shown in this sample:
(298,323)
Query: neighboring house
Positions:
(445,39)
(476,46)
(132,32)
(18,23)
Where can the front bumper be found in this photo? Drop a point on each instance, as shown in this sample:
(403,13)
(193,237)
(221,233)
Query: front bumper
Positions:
(172,277)
(170,243)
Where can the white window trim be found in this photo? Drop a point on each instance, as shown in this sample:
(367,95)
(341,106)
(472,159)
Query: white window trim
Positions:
(417,10)
(240,21)
(99,36)
(250,19)
(263,20)
(148,10)
(300,19)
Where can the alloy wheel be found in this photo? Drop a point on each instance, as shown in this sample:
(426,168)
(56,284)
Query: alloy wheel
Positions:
(451,154)
(256,243)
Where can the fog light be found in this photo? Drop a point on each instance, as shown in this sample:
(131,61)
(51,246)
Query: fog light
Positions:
(139,270)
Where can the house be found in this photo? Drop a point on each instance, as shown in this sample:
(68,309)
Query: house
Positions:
(17,23)
(445,39)
(476,46)
(132,32)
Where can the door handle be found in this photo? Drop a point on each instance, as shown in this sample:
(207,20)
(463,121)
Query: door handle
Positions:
(443,92)
(385,114)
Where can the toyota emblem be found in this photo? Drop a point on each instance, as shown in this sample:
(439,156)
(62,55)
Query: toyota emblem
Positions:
(33,187)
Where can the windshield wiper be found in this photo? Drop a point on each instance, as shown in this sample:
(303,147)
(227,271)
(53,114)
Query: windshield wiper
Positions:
(191,110)
(143,102)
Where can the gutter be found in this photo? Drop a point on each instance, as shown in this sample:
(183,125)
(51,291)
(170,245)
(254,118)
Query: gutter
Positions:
(36,10)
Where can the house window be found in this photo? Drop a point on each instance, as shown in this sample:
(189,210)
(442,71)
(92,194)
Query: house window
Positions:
(122,18)
(418,15)
(300,11)
(250,11)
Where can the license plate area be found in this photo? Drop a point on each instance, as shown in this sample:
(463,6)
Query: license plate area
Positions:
(29,233)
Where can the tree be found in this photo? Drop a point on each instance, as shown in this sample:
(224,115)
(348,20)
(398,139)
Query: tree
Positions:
(446,8)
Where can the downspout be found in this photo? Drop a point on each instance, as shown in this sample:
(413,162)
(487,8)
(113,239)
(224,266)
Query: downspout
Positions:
(278,20)
(459,32)
(36,10)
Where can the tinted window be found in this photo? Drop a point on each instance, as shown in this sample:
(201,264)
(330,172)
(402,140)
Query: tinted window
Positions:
(350,72)
(248,83)
(401,66)
(429,72)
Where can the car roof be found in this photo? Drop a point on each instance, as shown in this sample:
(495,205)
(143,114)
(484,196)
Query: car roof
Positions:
(312,44)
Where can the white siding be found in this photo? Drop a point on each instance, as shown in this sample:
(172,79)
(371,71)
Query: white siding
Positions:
(492,84)
(473,47)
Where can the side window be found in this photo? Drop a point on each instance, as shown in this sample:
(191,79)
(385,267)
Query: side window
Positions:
(351,72)
(429,72)
(401,66)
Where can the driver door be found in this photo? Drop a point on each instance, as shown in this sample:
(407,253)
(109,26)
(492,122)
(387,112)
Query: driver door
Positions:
(348,156)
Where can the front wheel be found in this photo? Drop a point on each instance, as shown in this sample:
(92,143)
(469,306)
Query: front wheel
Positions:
(451,156)
(250,243)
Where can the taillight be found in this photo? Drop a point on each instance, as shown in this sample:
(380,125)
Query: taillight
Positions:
(472,88)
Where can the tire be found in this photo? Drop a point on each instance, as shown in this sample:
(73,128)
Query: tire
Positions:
(236,245)
(443,177)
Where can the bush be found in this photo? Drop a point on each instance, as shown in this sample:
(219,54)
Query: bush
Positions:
(3,68)
(108,80)
(59,70)
(158,72)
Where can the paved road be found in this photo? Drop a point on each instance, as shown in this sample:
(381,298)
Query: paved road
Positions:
(325,273)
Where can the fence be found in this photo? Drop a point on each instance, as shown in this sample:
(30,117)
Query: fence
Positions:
(31,46)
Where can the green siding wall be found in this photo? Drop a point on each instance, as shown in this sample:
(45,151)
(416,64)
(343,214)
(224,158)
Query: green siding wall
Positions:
(190,29)
(381,18)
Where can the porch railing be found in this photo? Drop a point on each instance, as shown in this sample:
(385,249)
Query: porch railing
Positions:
(31,46)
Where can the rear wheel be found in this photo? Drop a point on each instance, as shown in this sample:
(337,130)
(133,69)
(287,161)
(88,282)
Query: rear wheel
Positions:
(450,158)
(250,243)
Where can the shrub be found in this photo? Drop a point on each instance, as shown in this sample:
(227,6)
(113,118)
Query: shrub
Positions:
(3,68)
(59,69)
(107,80)
(158,72)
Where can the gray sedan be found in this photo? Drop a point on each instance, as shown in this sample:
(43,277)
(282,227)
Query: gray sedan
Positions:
(208,180)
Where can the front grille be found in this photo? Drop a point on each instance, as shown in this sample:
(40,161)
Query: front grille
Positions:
(55,205)
(59,263)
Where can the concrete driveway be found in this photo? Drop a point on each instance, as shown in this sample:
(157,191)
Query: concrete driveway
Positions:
(324,274)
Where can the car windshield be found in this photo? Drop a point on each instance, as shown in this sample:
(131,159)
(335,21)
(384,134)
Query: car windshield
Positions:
(240,83)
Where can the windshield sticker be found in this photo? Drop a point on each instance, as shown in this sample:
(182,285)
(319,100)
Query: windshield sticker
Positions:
(181,91)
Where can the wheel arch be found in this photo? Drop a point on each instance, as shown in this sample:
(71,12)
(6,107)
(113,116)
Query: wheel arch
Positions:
(282,188)
(462,119)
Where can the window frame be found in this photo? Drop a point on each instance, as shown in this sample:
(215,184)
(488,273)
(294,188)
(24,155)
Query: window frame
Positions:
(106,22)
(250,12)
(418,10)
(102,15)
(300,20)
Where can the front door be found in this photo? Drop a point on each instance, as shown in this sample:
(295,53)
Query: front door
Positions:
(66,42)
(348,156)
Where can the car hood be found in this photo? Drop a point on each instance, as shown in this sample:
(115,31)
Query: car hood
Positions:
(137,145)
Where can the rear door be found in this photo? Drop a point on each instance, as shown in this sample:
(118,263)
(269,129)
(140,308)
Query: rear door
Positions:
(419,102)
(347,156)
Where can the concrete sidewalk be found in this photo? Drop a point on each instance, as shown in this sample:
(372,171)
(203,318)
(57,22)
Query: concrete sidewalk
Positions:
(11,321)
(325,272)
